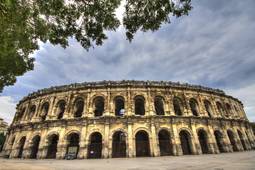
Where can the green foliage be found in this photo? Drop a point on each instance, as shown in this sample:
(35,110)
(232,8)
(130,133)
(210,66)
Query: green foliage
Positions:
(2,140)
(25,22)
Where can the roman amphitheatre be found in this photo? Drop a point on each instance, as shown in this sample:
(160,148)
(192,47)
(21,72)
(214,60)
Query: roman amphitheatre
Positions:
(110,119)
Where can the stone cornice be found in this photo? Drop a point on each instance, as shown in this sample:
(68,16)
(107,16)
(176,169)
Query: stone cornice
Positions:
(124,83)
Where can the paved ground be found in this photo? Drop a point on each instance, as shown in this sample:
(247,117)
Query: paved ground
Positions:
(233,161)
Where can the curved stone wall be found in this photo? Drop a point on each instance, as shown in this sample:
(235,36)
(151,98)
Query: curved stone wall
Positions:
(127,119)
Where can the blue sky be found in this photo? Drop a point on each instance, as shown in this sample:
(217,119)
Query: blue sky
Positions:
(214,46)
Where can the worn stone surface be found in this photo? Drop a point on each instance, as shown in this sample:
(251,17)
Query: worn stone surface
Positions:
(225,161)
(195,111)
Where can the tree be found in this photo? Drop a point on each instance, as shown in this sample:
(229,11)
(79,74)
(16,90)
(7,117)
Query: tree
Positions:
(23,23)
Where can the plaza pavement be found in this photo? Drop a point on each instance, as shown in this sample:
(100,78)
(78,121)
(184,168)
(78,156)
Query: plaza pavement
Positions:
(225,161)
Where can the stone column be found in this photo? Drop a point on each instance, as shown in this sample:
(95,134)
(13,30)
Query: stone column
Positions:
(175,139)
(196,149)
(155,146)
(131,147)
(212,144)
(106,140)
(62,145)
(83,145)
(43,145)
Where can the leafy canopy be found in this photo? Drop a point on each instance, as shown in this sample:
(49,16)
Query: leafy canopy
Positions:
(23,23)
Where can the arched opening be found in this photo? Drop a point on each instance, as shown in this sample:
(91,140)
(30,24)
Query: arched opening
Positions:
(208,108)
(159,106)
(119,145)
(193,106)
(202,137)
(232,140)
(20,114)
(61,109)
(78,107)
(35,147)
(21,146)
(73,145)
(139,105)
(185,142)
(219,140)
(52,146)
(220,108)
(142,144)
(165,145)
(99,106)
(248,137)
(31,112)
(242,139)
(119,106)
(178,109)
(95,145)
(229,110)
(45,109)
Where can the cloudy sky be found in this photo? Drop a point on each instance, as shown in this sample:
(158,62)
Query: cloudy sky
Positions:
(214,46)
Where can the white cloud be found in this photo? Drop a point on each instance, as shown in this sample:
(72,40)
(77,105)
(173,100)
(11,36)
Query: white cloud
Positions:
(7,108)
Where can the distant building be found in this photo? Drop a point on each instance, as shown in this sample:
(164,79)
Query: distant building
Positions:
(3,126)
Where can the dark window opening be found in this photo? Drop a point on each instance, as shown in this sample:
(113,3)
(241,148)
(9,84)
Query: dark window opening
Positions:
(232,140)
(185,143)
(61,109)
(219,140)
(194,107)
(208,108)
(45,109)
(139,106)
(202,137)
(159,106)
(21,146)
(35,147)
(119,106)
(142,144)
(165,145)
(99,106)
(177,106)
(119,145)
(52,146)
(78,108)
(73,145)
(95,146)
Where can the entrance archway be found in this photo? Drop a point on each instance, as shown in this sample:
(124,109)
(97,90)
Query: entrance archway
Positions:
(232,140)
(164,143)
(219,140)
(142,144)
(52,146)
(242,139)
(185,142)
(73,146)
(202,137)
(35,146)
(118,145)
(21,146)
(95,145)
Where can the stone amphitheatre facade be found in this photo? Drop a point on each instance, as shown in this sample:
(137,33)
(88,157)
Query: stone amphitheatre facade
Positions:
(127,119)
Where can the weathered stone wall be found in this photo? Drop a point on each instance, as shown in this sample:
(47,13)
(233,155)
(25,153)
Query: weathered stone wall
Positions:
(32,120)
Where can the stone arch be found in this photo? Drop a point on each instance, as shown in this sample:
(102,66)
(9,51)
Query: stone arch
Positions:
(99,105)
(178,106)
(20,114)
(186,141)
(194,106)
(159,105)
(53,140)
(220,108)
(35,146)
(219,140)
(208,108)
(165,144)
(95,145)
(21,145)
(78,107)
(119,145)
(139,105)
(228,110)
(232,139)
(60,108)
(142,143)
(31,113)
(241,137)
(203,140)
(44,110)
(119,105)
(73,144)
